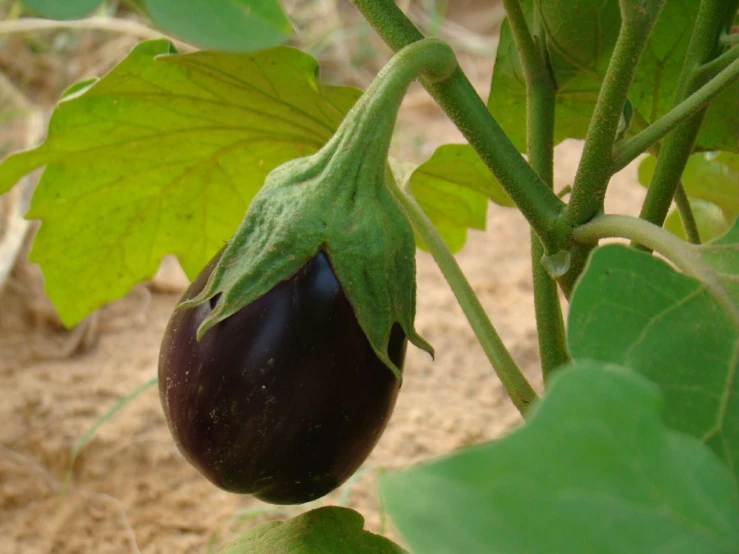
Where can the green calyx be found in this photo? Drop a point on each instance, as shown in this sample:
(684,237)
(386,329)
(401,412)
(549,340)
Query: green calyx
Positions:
(337,201)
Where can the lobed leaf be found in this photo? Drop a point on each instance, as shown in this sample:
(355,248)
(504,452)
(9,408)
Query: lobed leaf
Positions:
(234,25)
(632,309)
(163,155)
(328,530)
(453,187)
(593,470)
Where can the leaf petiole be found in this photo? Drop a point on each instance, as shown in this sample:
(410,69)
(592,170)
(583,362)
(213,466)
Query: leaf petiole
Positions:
(685,256)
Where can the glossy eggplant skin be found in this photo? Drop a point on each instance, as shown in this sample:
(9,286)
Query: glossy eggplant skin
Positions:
(285,399)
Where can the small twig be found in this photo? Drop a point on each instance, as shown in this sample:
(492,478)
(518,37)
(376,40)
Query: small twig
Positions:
(133,28)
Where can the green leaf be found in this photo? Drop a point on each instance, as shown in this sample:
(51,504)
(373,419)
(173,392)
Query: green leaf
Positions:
(580,37)
(707,176)
(632,309)
(722,254)
(653,89)
(236,25)
(61,9)
(579,33)
(593,470)
(453,187)
(328,530)
(711,220)
(163,155)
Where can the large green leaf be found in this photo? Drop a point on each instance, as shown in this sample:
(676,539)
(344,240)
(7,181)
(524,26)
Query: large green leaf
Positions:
(708,176)
(594,470)
(722,254)
(329,530)
(633,309)
(236,25)
(61,9)
(581,35)
(453,187)
(163,155)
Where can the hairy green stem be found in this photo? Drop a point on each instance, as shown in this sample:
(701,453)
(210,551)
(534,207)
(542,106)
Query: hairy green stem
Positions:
(513,379)
(430,57)
(456,96)
(686,215)
(685,256)
(533,66)
(540,104)
(713,17)
(686,109)
(592,177)
(710,69)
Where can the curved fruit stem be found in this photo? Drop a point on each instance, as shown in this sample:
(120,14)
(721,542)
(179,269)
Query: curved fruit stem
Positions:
(459,100)
(368,127)
(685,256)
(513,379)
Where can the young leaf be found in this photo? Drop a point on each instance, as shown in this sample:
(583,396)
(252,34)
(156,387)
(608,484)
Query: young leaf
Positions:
(235,25)
(632,309)
(593,470)
(708,176)
(711,220)
(66,9)
(453,187)
(328,530)
(163,155)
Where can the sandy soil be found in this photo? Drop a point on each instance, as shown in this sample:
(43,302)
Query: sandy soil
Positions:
(130,490)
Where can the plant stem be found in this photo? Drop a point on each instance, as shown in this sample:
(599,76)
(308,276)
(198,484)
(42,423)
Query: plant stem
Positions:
(591,180)
(593,175)
(686,215)
(540,105)
(456,96)
(513,379)
(368,127)
(686,257)
(686,109)
(712,18)
(710,69)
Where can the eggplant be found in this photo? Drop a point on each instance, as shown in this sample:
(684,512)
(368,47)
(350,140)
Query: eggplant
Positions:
(284,399)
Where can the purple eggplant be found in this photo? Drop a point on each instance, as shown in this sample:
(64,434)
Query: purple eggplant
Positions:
(286,398)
